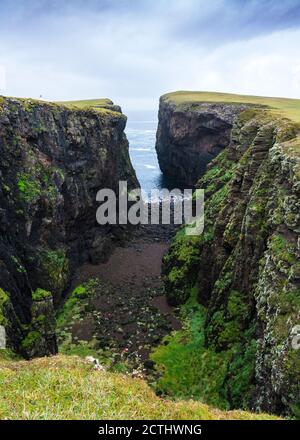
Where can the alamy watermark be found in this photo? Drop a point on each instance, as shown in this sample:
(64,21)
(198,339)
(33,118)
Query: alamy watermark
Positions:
(163,207)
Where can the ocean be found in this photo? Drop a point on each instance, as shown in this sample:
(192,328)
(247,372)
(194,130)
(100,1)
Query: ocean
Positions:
(141,135)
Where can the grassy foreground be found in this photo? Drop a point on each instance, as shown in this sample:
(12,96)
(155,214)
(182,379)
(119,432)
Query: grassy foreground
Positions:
(289,108)
(67,387)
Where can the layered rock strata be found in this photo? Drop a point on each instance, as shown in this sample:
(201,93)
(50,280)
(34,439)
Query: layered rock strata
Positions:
(53,162)
(246,264)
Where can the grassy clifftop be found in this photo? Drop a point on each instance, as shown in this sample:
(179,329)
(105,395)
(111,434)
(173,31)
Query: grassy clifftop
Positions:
(67,387)
(289,108)
(88,103)
(102,105)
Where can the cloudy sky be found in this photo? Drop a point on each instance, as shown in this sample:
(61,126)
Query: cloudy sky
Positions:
(135,50)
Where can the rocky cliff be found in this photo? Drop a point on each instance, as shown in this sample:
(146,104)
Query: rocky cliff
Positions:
(245,266)
(53,162)
(190,135)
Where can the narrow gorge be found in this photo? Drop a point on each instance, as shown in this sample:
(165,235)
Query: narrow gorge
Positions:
(212,317)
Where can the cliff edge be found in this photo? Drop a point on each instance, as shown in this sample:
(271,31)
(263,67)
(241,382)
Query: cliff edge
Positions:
(194,127)
(245,266)
(54,159)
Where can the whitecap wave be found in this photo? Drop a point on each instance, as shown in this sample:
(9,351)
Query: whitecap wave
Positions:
(150,167)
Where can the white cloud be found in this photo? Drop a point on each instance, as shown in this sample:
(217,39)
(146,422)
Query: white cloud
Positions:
(265,65)
(134,58)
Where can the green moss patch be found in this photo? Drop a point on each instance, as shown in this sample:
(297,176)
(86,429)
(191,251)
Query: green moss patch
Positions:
(186,368)
(29,187)
(54,265)
(282,249)
(31,340)
(4,298)
(41,294)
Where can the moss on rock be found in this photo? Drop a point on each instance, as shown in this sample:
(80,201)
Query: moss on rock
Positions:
(41,294)
(54,265)
(3,300)
(248,269)
(31,341)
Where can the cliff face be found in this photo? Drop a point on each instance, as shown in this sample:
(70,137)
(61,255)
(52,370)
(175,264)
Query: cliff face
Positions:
(53,162)
(245,266)
(190,135)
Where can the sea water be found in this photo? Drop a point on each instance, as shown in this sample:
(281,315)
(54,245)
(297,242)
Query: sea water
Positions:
(141,135)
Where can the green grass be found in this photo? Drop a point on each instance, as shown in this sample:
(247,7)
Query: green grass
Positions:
(289,108)
(186,367)
(3,300)
(102,105)
(67,387)
(87,103)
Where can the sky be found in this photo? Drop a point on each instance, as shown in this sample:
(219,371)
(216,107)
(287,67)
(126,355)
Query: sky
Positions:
(133,51)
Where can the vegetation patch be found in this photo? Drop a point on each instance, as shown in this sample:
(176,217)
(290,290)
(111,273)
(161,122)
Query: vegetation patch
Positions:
(283,107)
(67,387)
(179,266)
(220,373)
(41,294)
(186,368)
(102,106)
(282,249)
(31,340)
(29,187)
(219,172)
(76,302)
(75,309)
(54,264)
(3,300)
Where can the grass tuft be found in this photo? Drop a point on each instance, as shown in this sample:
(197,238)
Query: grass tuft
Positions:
(67,387)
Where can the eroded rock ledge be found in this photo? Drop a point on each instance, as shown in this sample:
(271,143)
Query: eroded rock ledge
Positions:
(190,135)
(53,161)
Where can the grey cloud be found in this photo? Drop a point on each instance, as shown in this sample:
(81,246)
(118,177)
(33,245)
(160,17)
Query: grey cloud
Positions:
(134,50)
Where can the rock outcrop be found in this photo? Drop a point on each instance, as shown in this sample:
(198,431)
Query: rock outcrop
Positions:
(53,162)
(190,135)
(246,263)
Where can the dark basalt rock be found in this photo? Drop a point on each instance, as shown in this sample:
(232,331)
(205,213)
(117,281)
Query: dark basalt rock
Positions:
(53,162)
(189,136)
(245,265)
